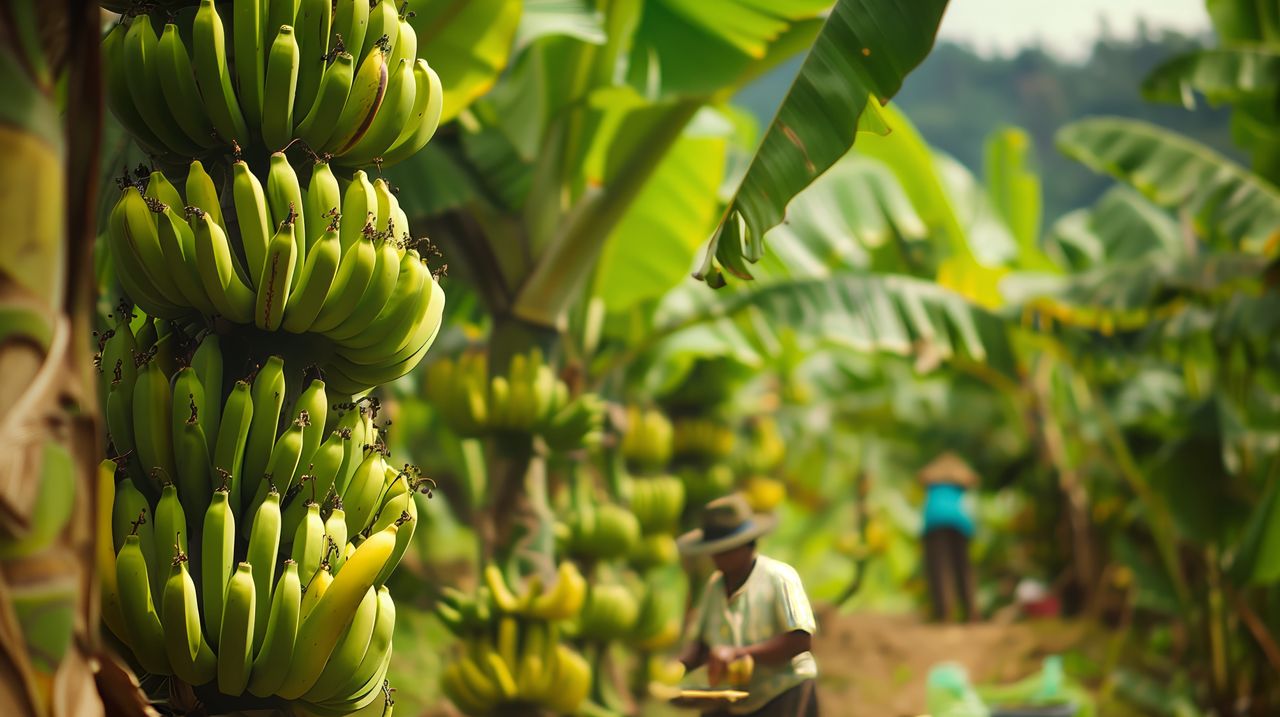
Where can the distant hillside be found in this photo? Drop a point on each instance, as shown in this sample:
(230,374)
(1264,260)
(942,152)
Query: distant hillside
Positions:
(957,98)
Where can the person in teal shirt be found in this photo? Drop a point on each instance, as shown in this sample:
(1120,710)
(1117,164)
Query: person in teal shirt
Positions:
(948,528)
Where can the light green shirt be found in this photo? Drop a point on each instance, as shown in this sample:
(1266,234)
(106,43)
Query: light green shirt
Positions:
(771,602)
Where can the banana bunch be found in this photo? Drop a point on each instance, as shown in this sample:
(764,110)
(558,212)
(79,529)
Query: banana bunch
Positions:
(292,264)
(657,503)
(530,398)
(611,613)
(657,624)
(766,449)
(342,77)
(654,551)
(647,440)
(322,640)
(702,439)
(702,485)
(459,391)
(600,532)
(180,602)
(511,646)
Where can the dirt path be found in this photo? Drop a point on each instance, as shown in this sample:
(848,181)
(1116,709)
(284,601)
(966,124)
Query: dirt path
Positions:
(876,665)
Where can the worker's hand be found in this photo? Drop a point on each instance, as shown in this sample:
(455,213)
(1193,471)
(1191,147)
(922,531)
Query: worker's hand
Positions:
(718,663)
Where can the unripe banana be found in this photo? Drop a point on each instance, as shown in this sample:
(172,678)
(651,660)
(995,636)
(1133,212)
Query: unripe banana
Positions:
(315,402)
(284,199)
(207,362)
(361,496)
(278,274)
(250,50)
(323,203)
(235,642)
(314,25)
(177,79)
(322,627)
(352,280)
(386,126)
(233,433)
(309,545)
(141,50)
(351,23)
(202,193)
(213,75)
(105,553)
(307,298)
(170,534)
(217,556)
(368,88)
(161,189)
(253,217)
(272,662)
(320,120)
(381,286)
(408,522)
(151,427)
(324,467)
(314,590)
(192,451)
(188,653)
(281,87)
(348,652)
(264,544)
(378,649)
(428,104)
(228,292)
(268,398)
(335,533)
(146,635)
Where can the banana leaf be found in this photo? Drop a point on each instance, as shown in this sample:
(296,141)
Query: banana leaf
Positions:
(1227,203)
(861,56)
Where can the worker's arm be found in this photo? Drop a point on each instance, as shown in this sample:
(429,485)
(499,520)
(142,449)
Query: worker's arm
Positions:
(776,650)
(694,655)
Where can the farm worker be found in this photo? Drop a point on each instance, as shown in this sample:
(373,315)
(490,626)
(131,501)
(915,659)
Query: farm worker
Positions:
(754,624)
(948,527)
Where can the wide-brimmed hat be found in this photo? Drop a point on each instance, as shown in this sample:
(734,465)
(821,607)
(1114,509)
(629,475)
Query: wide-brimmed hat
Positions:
(948,468)
(727,523)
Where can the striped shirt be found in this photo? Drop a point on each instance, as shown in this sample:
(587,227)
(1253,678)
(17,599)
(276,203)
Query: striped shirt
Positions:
(771,602)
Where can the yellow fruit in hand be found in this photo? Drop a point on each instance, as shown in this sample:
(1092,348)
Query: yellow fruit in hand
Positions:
(667,672)
(740,670)
(877,536)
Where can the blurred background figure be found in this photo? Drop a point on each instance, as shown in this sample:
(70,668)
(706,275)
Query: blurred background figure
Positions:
(948,527)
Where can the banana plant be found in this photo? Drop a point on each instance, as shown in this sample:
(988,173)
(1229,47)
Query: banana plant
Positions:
(574,156)
(52,492)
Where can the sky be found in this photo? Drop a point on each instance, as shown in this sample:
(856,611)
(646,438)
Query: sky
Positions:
(1065,27)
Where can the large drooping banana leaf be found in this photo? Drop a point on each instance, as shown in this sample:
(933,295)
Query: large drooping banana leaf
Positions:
(1245,20)
(1225,74)
(1228,204)
(861,56)
(1122,225)
(467,43)
(1014,188)
(572,18)
(868,313)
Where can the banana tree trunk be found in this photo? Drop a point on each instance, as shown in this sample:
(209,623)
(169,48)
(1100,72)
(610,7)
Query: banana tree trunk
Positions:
(52,658)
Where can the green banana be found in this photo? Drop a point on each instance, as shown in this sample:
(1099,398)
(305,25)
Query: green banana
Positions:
(384,22)
(151,427)
(408,522)
(386,126)
(235,640)
(250,50)
(170,533)
(335,532)
(207,362)
(281,87)
(351,23)
(226,290)
(279,12)
(264,544)
(322,627)
(188,400)
(308,543)
(203,194)
(178,243)
(381,285)
(284,199)
(368,87)
(314,590)
(323,202)
(272,661)
(255,222)
(324,466)
(146,634)
(192,455)
(143,239)
(361,496)
(307,298)
(315,404)
(213,75)
(233,433)
(315,17)
(319,122)
(188,653)
(355,273)
(406,44)
(278,274)
(141,52)
(118,93)
(428,103)
(393,326)
(161,189)
(217,556)
(268,398)
(359,205)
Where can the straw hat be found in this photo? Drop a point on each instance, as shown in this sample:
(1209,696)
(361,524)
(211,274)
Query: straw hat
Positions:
(948,468)
(727,523)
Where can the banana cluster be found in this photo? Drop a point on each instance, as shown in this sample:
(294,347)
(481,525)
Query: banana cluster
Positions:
(599,531)
(610,613)
(208,481)
(764,494)
(702,439)
(291,264)
(342,77)
(647,439)
(511,651)
(766,450)
(530,399)
(657,626)
(703,485)
(657,503)
(320,637)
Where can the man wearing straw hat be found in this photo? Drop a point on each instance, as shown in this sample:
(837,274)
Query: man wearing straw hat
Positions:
(753,611)
(948,528)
